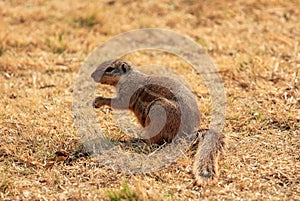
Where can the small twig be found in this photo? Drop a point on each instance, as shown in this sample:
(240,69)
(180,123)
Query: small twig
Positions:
(14,123)
(297,61)
(156,150)
(47,86)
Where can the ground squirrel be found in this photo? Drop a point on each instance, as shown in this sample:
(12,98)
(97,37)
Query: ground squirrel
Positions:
(141,93)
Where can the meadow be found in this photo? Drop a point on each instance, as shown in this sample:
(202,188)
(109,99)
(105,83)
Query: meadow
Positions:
(254,44)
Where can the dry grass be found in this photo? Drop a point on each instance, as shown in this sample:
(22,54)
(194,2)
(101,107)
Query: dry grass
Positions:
(256,45)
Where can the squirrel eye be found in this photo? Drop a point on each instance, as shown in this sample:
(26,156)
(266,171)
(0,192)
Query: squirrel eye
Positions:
(109,69)
(124,67)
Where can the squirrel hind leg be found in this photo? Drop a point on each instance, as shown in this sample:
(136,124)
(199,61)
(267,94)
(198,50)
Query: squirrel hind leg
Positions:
(206,167)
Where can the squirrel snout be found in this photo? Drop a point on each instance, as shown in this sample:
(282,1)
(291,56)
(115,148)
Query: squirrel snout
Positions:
(95,76)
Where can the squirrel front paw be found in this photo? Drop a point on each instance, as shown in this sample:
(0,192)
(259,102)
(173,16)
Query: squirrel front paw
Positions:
(99,102)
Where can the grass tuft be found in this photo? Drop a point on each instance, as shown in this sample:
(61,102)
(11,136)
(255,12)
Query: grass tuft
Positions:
(125,193)
(88,21)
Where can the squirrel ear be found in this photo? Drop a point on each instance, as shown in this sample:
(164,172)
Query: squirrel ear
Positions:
(125,67)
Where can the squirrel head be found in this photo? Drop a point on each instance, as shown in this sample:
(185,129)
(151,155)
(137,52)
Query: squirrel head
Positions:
(110,72)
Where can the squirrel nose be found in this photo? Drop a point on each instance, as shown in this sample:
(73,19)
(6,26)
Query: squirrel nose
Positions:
(93,75)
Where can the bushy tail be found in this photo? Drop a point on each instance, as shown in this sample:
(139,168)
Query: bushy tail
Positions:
(205,168)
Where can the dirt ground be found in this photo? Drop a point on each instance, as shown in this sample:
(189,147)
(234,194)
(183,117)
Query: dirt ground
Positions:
(255,45)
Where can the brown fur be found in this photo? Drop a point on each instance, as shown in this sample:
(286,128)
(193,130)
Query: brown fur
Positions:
(145,96)
(206,167)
